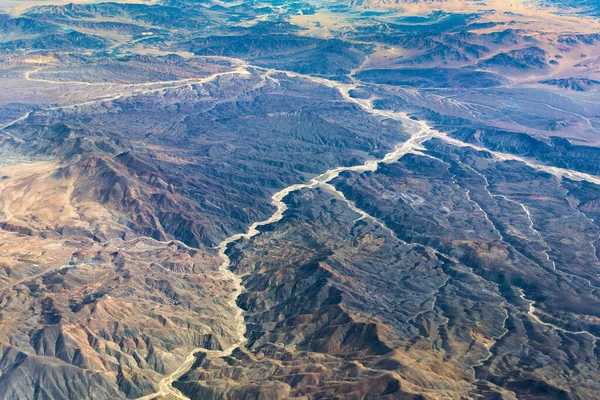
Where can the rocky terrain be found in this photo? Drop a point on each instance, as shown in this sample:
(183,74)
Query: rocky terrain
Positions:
(298,199)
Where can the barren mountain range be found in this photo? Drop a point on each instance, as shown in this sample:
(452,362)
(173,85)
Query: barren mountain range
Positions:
(297,199)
